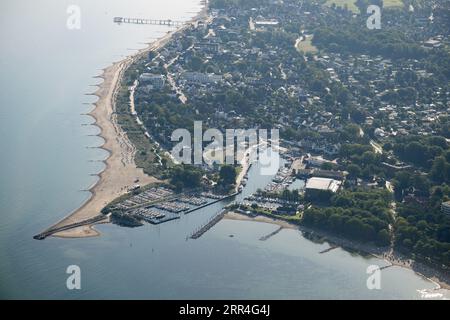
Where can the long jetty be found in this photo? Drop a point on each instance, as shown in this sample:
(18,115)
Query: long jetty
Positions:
(211,223)
(329,249)
(155,22)
(266,237)
(49,232)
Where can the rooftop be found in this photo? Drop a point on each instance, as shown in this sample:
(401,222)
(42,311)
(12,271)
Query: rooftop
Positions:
(323,184)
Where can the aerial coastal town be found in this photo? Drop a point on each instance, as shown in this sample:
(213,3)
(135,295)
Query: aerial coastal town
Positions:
(363,117)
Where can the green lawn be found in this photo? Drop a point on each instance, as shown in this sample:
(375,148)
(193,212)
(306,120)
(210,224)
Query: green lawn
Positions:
(393,3)
(341,3)
(306,46)
(351,4)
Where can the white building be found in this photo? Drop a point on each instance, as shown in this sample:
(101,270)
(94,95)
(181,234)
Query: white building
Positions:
(323,184)
(203,78)
(267,23)
(445,207)
(156,80)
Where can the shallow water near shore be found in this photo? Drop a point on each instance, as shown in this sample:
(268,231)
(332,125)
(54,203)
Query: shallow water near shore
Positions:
(45,166)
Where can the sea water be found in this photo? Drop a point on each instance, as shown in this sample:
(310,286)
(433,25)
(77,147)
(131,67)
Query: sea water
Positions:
(47,160)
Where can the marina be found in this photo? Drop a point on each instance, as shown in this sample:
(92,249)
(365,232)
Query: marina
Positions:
(146,197)
(269,203)
(174,207)
(153,216)
(49,171)
(160,204)
(283,179)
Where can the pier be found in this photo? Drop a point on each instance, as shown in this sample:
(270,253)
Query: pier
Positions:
(328,249)
(154,22)
(386,267)
(266,237)
(49,232)
(211,223)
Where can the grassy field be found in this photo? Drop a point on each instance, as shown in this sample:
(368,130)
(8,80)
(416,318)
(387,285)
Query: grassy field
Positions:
(306,46)
(351,4)
(393,3)
(341,3)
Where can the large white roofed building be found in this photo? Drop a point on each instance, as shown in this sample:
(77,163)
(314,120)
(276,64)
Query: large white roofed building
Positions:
(323,184)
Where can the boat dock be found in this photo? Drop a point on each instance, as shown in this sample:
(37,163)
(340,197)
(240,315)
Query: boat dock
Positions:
(211,203)
(166,218)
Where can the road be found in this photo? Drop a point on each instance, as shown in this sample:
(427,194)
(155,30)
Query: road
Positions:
(377,148)
(172,81)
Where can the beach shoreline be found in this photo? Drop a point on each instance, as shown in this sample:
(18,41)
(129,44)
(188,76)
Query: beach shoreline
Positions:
(232,215)
(437,277)
(120,170)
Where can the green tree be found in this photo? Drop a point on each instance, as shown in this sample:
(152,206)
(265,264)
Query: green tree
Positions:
(439,170)
(186,177)
(354,171)
(227,175)
(383,237)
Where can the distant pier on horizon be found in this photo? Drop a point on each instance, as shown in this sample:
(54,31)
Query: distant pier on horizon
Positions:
(155,22)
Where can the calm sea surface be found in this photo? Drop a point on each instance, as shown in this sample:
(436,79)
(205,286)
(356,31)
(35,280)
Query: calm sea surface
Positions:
(45,163)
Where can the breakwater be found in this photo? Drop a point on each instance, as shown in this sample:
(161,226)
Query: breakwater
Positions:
(211,223)
(49,232)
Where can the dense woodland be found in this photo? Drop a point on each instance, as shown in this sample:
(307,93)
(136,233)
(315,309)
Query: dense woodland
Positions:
(359,214)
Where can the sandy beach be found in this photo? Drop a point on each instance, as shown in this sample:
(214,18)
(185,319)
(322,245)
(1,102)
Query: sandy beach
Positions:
(120,169)
(242,217)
